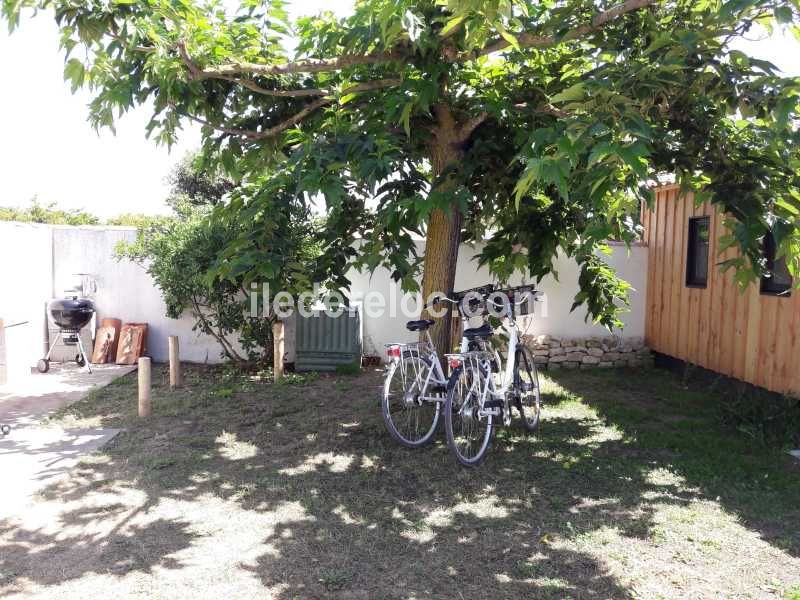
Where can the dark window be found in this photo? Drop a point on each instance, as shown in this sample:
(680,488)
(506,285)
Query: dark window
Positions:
(697,257)
(778,280)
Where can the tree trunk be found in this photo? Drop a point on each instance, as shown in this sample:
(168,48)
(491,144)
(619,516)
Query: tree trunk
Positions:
(444,228)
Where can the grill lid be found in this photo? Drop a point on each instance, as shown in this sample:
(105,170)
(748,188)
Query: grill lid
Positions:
(71,313)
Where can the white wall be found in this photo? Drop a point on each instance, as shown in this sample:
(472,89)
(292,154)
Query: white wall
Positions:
(38,262)
(125,290)
(552,316)
(25,285)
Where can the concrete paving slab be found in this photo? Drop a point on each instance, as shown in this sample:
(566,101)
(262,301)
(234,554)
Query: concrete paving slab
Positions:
(25,401)
(33,456)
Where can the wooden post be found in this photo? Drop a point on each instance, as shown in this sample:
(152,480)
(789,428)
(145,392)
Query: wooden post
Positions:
(175,375)
(278,350)
(145,403)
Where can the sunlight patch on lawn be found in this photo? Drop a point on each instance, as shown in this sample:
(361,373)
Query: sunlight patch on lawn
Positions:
(347,518)
(665,477)
(597,435)
(422,536)
(232,448)
(487,507)
(336,463)
(602,536)
(556,393)
(596,504)
(370,463)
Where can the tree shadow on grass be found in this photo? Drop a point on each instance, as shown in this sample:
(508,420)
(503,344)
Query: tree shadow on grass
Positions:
(337,509)
(677,428)
(73,547)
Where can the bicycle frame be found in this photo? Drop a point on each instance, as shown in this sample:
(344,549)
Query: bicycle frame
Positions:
(489,389)
(508,371)
(435,375)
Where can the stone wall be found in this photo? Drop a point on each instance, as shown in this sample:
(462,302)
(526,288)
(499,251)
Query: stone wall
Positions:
(587,353)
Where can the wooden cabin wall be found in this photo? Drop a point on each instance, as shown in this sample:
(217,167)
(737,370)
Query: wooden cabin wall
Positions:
(747,335)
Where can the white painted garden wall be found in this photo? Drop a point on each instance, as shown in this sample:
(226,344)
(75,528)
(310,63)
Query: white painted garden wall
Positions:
(551,316)
(37,262)
(26,274)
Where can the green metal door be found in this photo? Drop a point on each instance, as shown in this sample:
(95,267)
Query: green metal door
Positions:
(324,342)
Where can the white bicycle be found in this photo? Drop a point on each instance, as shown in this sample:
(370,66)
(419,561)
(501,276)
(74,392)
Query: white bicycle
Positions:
(478,392)
(415,387)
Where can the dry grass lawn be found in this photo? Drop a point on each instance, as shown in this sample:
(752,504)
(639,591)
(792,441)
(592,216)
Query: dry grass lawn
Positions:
(242,489)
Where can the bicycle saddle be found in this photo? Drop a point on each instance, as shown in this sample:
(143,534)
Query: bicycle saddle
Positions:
(483,331)
(420,325)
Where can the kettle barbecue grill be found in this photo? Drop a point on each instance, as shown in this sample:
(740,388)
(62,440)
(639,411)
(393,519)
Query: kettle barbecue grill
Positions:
(70,316)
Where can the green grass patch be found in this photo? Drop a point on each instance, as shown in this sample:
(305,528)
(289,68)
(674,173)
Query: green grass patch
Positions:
(631,483)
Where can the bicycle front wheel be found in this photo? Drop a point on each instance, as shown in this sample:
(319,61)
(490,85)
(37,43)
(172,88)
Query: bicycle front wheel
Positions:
(527,392)
(468,431)
(408,412)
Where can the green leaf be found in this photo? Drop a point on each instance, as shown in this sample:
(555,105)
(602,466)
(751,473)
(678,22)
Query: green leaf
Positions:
(598,153)
(507,36)
(405,118)
(74,72)
(452,24)
(571,94)
(783,14)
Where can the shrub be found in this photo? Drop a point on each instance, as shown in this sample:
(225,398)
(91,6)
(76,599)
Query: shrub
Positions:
(189,258)
(47,213)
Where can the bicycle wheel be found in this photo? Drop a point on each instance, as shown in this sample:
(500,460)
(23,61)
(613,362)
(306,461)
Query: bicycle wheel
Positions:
(410,420)
(468,433)
(527,392)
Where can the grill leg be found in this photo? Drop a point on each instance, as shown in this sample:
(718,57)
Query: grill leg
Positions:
(83,353)
(53,345)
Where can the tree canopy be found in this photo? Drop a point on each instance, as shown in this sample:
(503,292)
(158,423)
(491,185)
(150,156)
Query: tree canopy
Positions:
(50,214)
(538,125)
(180,251)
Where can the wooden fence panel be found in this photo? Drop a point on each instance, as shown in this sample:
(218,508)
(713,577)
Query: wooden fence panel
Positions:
(747,335)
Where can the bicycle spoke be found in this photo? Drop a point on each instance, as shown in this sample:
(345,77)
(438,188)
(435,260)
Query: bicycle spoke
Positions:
(408,415)
(468,431)
(527,390)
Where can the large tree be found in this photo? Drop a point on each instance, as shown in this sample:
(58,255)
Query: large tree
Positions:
(537,124)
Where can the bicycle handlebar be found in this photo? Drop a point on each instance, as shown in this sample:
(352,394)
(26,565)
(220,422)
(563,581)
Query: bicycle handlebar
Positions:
(484,291)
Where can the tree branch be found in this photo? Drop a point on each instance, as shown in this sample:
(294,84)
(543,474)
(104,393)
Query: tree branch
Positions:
(322,65)
(253,135)
(466,130)
(366,86)
(196,72)
(205,326)
(545,109)
(530,40)
(252,85)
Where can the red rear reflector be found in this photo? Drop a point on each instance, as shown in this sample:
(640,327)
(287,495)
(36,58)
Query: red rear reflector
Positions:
(394,351)
(455,363)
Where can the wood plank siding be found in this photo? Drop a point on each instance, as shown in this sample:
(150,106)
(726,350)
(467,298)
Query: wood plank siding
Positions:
(747,335)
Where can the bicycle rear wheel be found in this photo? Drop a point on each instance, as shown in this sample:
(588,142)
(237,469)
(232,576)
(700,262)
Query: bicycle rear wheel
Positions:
(527,392)
(468,433)
(410,419)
